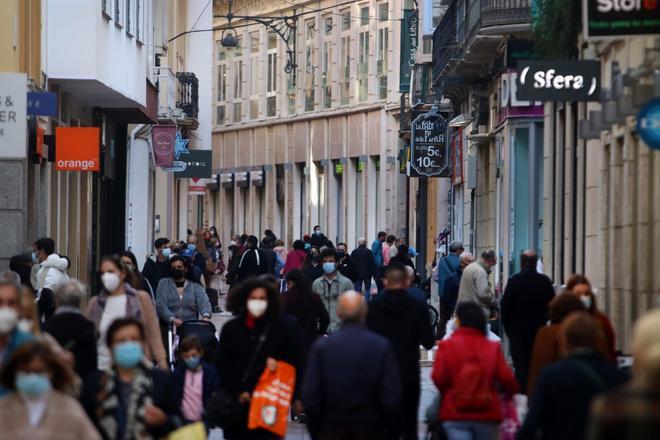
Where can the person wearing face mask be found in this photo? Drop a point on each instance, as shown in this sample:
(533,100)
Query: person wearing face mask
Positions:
(301,302)
(318,239)
(48,272)
(581,286)
(253,262)
(179,297)
(330,286)
(131,400)
(345,263)
(118,300)
(312,266)
(254,339)
(156,266)
(11,337)
(195,380)
(134,277)
(38,406)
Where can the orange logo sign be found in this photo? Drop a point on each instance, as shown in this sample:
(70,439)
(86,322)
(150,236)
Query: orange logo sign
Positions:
(77,149)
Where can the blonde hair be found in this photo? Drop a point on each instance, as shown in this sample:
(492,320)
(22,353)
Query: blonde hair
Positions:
(646,347)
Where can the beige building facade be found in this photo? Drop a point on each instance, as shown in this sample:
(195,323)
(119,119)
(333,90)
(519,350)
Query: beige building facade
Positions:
(318,150)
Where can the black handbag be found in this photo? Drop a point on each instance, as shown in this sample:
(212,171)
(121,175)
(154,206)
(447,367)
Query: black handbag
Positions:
(224,410)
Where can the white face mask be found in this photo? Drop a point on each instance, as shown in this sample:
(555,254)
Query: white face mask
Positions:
(257,307)
(110,281)
(8,319)
(586,301)
(25,325)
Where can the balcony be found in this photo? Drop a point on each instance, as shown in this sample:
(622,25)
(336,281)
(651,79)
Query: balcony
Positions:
(166,82)
(466,41)
(188,98)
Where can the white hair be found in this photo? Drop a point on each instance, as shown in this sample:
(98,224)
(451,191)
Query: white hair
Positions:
(361,241)
(465,256)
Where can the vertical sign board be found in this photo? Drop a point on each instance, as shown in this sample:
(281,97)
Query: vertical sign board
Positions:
(568,81)
(619,18)
(162,144)
(428,157)
(13,115)
(409,43)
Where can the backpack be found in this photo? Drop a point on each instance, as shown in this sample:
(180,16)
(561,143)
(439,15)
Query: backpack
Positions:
(472,385)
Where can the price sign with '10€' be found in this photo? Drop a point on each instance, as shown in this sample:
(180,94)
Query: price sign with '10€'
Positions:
(428,146)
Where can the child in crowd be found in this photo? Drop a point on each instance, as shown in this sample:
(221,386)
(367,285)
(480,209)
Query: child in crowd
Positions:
(195,380)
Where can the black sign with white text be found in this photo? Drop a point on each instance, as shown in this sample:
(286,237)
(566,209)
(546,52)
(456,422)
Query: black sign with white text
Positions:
(559,81)
(616,18)
(428,137)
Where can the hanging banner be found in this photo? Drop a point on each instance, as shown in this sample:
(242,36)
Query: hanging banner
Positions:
(409,43)
(195,164)
(618,18)
(162,144)
(13,119)
(77,148)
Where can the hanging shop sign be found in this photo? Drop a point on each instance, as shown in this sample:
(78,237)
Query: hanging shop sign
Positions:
(509,105)
(559,81)
(162,143)
(618,18)
(409,43)
(42,104)
(13,111)
(77,148)
(648,123)
(428,156)
(196,189)
(195,164)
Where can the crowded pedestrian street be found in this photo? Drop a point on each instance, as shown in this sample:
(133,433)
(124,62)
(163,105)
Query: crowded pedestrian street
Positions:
(329,219)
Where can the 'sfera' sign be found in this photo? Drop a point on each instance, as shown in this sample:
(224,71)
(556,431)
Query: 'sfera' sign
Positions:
(559,81)
(616,18)
(648,123)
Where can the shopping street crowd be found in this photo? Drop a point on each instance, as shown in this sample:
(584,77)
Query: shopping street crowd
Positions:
(320,334)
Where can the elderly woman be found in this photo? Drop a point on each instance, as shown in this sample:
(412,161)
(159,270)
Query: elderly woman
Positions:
(38,406)
(131,400)
(179,297)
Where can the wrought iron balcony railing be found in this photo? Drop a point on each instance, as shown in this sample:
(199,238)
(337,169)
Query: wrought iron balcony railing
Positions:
(505,12)
(444,42)
(188,99)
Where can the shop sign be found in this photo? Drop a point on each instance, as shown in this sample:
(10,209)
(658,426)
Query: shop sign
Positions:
(618,18)
(196,190)
(13,115)
(162,144)
(428,145)
(42,104)
(195,164)
(409,43)
(77,148)
(648,123)
(564,81)
(510,106)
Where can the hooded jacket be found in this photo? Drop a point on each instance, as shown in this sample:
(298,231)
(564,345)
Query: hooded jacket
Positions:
(50,274)
(404,321)
(76,333)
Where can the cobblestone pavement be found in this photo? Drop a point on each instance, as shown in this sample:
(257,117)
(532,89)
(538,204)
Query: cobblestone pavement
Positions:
(297,431)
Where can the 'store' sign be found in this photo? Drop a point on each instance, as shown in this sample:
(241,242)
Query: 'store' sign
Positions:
(428,146)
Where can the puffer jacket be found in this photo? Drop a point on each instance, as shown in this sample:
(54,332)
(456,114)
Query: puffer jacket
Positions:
(51,273)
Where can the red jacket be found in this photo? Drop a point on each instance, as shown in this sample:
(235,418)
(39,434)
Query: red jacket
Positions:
(462,345)
(294,260)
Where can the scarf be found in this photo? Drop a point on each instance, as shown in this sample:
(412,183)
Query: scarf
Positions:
(138,398)
(133,308)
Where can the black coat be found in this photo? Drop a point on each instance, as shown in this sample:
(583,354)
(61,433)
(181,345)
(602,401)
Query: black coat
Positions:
(253,262)
(74,332)
(162,394)
(404,321)
(351,378)
(271,259)
(313,272)
(346,268)
(559,408)
(364,265)
(309,311)
(450,291)
(525,303)
(319,241)
(154,271)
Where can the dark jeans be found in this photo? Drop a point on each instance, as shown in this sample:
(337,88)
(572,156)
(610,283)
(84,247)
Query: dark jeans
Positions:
(410,402)
(367,288)
(446,311)
(521,353)
(351,432)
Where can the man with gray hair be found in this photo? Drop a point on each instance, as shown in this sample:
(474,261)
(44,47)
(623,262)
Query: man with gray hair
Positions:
(475,283)
(364,267)
(447,268)
(72,329)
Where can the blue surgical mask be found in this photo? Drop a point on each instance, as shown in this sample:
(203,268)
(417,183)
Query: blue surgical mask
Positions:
(192,362)
(128,354)
(192,247)
(308,246)
(32,384)
(329,267)
(35,259)
(167,252)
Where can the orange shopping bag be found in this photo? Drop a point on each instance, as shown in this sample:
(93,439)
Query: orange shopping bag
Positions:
(271,399)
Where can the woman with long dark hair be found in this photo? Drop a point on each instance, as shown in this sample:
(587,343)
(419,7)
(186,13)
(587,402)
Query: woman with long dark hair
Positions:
(256,338)
(306,306)
(134,277)
(312,266)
